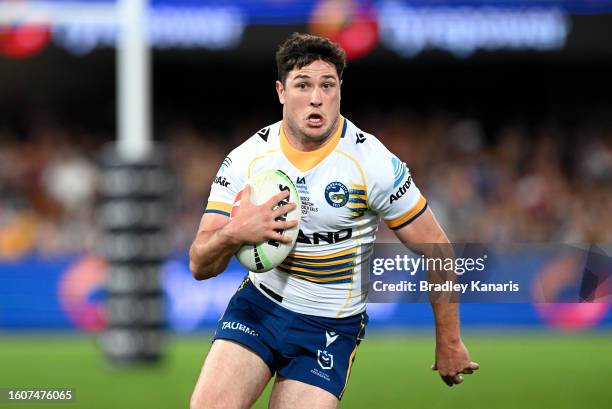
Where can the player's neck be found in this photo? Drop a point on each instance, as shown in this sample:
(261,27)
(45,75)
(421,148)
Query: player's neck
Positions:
(305,144)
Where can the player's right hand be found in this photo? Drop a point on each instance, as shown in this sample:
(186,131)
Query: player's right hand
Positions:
(257,223)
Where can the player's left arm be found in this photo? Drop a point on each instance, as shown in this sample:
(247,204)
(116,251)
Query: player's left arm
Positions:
(452,357)
(393,194)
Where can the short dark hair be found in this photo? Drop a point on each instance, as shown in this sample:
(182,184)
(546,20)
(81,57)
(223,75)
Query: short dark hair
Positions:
(300,50)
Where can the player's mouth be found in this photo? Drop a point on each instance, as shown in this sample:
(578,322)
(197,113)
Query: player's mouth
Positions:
(315,120)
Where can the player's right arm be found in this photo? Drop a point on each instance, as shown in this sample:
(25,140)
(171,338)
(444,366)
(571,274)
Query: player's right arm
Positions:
(219,237)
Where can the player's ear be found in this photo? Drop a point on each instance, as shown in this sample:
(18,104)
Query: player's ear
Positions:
(280,90)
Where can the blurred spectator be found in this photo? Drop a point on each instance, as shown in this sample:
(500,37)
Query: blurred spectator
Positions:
(542,184)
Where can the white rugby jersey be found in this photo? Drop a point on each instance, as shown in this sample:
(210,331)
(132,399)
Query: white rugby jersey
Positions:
(345,186)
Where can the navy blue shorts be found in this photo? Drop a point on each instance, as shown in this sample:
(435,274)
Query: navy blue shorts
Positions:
(315,350)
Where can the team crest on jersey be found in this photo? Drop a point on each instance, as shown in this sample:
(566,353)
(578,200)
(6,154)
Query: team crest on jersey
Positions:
(336,194)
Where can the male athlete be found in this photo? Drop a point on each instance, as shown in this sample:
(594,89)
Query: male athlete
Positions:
(304,319)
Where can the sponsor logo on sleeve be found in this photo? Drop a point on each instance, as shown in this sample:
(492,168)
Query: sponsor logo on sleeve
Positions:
(227,162)
(399,171)
(221,180)
(401,191)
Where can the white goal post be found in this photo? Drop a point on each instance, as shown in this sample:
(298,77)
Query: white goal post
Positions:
(133,59)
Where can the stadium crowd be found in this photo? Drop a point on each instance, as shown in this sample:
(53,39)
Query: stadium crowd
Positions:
(519,183)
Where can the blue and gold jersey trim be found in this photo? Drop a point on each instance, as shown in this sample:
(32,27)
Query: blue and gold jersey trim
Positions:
(409,216)
(345,123)
(219,208)
(332,268)
(358,201)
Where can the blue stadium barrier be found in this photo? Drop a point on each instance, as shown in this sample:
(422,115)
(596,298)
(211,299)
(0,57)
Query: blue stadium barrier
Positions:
(67,293)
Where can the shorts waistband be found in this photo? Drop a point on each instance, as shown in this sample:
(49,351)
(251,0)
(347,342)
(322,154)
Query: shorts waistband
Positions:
(268,294)
(277,297)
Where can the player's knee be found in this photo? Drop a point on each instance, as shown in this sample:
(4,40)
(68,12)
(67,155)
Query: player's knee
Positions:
(199,401)
(208,400)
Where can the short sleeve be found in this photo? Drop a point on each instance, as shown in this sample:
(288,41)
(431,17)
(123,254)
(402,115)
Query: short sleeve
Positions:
(228,181)
(394,195)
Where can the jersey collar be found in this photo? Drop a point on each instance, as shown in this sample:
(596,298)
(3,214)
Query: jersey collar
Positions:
(304,161)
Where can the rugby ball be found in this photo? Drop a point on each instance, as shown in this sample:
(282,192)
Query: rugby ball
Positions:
(269,254)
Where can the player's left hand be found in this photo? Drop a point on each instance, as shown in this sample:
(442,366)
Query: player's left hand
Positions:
(453,360)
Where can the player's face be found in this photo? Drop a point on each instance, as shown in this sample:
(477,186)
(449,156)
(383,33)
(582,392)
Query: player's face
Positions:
(311,101)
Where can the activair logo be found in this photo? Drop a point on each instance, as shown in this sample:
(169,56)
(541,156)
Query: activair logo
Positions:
(227,162)
(336,194)
(401,191)
(219,180)
(399,171)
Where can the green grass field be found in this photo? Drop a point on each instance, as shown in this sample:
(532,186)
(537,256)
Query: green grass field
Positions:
(526,370)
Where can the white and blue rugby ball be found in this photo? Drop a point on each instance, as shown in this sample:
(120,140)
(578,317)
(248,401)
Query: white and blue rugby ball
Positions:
(269,254)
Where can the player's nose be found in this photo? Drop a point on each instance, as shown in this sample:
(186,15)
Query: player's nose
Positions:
(315,97)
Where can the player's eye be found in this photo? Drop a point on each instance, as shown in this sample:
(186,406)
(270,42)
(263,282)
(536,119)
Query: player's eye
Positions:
(302,85)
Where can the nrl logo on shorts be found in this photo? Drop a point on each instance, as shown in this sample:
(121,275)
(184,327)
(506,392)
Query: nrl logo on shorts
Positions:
(325,360)
(336,194)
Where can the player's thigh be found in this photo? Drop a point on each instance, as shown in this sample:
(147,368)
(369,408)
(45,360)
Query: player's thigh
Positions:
(292,394)
(232,377)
